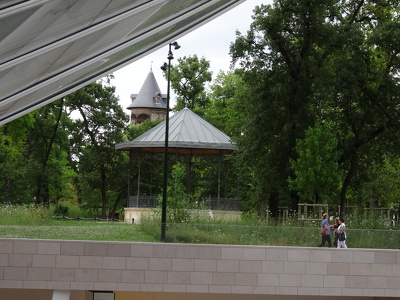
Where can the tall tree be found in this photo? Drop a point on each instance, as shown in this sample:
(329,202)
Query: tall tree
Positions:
(314,61)
(14,182)
(223,111)
(99,127)
(46,142)
(188,79)
(363,98)
(279,60)
(226,112)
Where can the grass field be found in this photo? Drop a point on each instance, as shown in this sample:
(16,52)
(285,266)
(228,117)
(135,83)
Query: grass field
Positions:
(197,233)
(27,223)
(71,230)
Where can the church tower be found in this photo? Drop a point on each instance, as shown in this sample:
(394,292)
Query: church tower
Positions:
(149,103)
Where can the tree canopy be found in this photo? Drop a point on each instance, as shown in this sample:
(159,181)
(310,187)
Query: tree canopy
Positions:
(313,105)
(310,62)
(188,79)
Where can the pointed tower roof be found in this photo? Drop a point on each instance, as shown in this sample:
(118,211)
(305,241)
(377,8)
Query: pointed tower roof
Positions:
(147,97)
(188,134)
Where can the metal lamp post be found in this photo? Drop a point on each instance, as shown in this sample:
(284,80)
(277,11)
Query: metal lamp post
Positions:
(165,67)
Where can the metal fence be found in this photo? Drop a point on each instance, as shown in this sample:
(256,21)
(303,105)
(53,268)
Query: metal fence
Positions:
(227,204)
(143,201)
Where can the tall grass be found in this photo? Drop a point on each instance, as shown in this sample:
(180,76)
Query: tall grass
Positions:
(269,235)
(23,215)
(38,223)
(77,230)
(288,232)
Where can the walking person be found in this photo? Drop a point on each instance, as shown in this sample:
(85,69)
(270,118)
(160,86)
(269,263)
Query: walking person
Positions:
(325,231)
(341,230)
(335,226)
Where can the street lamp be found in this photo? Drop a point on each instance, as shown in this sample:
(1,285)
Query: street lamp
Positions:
(166,67)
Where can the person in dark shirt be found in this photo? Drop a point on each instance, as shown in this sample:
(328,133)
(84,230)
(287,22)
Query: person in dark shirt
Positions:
(335,226)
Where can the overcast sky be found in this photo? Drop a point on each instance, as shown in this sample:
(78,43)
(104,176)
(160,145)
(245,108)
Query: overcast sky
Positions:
(210,41)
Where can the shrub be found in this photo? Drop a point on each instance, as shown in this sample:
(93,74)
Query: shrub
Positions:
(60,210)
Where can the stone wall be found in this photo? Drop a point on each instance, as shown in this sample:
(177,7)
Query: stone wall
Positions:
(152,113)
(190,268)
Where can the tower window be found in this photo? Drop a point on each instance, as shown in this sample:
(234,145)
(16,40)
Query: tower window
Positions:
(158,99)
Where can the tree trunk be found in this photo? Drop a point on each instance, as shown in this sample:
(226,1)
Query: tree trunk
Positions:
(6,191)
(261,208)
(6,186)
(295,200)
(38,194)
(346,183)
(103,193)
(115,205)
(274,204)
(43,182)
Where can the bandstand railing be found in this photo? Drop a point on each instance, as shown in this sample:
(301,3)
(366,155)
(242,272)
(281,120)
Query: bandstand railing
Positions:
(227,204)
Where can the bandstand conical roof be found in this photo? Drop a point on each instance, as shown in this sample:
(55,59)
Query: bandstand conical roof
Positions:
(188,134)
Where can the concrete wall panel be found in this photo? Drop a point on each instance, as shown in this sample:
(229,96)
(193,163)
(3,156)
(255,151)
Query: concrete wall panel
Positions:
(259,272)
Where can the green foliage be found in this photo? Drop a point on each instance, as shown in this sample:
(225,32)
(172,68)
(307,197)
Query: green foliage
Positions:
(95,134)
(134,130)
(210,173)
(48,157)
(176,195)
(303,68)
(300,64)
(188,78)
(48,152)
(225,110)
(15,180)
(316,168)
(60,210)
(381,186)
